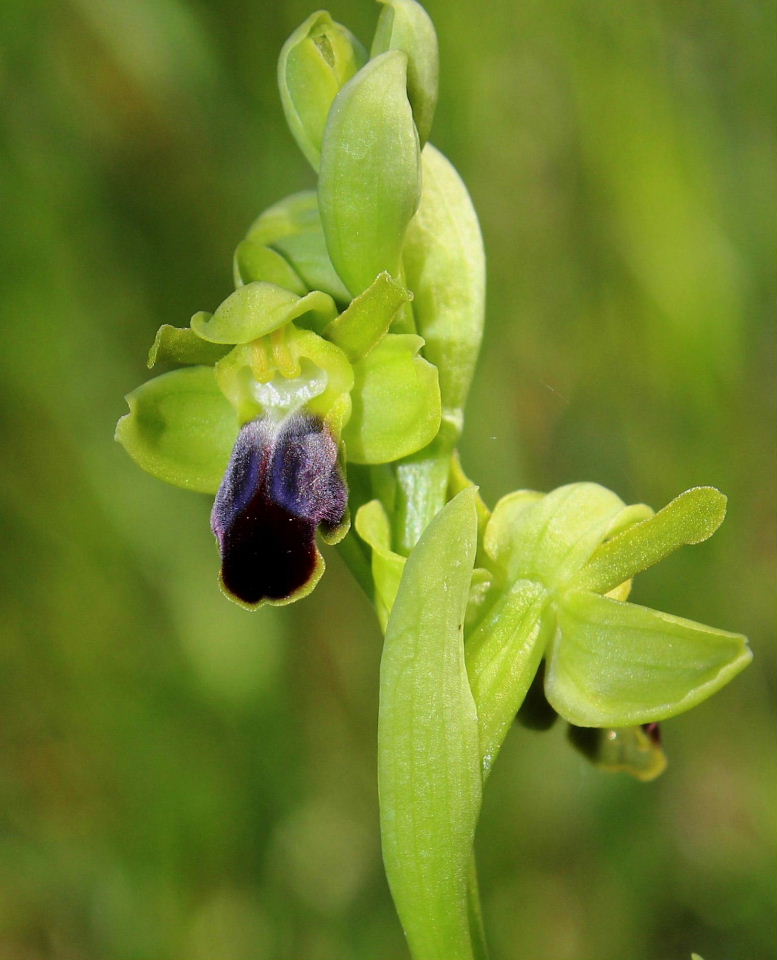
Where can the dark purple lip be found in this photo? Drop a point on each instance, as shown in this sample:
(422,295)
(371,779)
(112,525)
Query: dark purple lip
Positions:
(282,483)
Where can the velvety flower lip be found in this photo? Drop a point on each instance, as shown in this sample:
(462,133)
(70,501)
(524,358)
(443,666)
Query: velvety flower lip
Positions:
(282,483)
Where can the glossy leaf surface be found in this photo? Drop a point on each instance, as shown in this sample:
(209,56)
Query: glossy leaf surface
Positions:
(429,753)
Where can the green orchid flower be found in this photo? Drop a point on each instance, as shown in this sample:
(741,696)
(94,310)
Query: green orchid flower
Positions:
(277,390)
(562,566)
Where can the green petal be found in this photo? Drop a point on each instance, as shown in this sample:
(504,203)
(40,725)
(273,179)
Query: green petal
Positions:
(372,525)
(445,268)
(428,749)
(690,518)
(181,429)
(370,172)
(317,59)
(405,25)
(182,345)
(254,261)
(396,402)
(367,319)
(549,538)
(615,664)
(503,654)
(257,309)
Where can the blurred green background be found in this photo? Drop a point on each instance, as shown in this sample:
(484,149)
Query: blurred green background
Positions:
(181,780)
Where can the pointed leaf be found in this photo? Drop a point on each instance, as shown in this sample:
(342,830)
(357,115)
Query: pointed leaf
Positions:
(405,25)
(428,749)
(180,428)
(370,172)
(690,518)
(615,664)
(396,402)
(182,345)
(367,319)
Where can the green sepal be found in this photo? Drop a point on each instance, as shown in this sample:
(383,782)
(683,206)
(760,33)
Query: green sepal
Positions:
(373,526)
(620,750)
(368,317)
(396,402)
(690,518)
(613,664)
(292,227)
(503,653)
(259,308)
(405,25)
(369,182)
(180,428)
(309,256)
(297,213)
(182,345)
(444,266)
(317,59)
(254,261)
(548,538)
(428,749)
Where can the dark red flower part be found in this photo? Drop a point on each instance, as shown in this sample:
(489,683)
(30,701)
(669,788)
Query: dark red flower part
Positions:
(282,483)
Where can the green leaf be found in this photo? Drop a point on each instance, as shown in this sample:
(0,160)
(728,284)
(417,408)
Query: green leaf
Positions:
(372,525)
(549,538)
(254,261)
(182,345)
(614,664)
(690,518)
(180,428)
(370,172)
(428,749)
(445,268)
(503,653)
(317,59)
(367,319)
(405,25)
(396,402)
(257,309)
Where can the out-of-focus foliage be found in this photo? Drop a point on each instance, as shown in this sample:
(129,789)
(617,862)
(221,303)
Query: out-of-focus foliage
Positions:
(179,778)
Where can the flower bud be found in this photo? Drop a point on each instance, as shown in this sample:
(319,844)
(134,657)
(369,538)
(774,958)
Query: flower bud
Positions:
(317,59)
(405,25)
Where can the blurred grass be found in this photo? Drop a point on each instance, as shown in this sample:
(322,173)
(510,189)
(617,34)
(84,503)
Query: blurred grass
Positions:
(181,779)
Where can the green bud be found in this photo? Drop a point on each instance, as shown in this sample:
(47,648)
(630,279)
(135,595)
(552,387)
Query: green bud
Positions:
(370,173)
(405,25)
(255,262)
(444,266)
(315,62)
(292,228)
